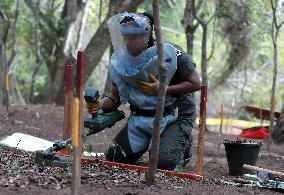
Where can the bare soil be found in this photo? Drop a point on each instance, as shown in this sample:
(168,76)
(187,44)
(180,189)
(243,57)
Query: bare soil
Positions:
(20,175)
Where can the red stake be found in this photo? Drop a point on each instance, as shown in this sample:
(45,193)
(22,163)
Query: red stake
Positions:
(79,91)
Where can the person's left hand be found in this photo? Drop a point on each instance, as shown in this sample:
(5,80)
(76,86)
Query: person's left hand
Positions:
(151,87)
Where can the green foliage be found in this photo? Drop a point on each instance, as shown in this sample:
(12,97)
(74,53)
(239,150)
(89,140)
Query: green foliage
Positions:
(7,6)
(179,169)
(85,140)
(248,84)
(42,84)
(15,167)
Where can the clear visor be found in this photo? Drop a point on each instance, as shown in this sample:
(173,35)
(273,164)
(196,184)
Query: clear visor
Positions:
(138,26)
(115,34)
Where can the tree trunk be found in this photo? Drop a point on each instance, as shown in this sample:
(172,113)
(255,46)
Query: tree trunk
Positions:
(57,52)
(82,26)
(13,53)
(154,153)
(187,22)
(2,62)
(277,133)
(4,74)
(189,27)
(72,8)
(274,34)
(6,79)
(38,55)
(202,126)
(204,55)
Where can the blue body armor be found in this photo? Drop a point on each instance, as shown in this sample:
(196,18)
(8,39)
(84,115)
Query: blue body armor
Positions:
(125,70)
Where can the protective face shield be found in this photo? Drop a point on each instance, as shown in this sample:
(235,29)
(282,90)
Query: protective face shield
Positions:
(129,33)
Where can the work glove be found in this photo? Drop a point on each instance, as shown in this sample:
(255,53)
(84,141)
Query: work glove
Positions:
(94,107)
(151,87)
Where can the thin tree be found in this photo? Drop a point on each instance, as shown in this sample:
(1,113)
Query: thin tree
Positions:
(189,25)
(6,63)
(204,25)
(274,35)
(277,135)
(12,61)
(56,54)
(150,176)
(82,26)
(14,33)
(39,59)
(204,60)
(3,62)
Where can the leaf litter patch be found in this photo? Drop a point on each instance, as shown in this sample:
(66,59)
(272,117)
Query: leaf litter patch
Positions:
(17,169)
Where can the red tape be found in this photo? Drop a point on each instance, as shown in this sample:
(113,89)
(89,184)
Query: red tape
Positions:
(191,176)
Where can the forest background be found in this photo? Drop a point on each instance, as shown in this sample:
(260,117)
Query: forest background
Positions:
(39,37)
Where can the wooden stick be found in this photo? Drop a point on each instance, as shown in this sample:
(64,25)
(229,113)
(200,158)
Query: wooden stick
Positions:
(79,98)
(202,126)
(68,104)
(258,169)
(221,117)
(271,126)
(221,126)
(79,91)
(154,153)
(76,169)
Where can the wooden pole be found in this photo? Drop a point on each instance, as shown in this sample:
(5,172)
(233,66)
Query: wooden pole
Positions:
(258,169)
(273,104)
(79,91)
(222,118)
(202,126)
(68,103)
(221,126)
(154,153)
(76,169)
(276,26)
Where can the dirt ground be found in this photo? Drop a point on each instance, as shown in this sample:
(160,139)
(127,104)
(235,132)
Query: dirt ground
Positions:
(20,175)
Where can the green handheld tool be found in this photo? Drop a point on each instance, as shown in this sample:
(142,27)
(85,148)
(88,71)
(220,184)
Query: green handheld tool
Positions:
(98,122)
(102,119)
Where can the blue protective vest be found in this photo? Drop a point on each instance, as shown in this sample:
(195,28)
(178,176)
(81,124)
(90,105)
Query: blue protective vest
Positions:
(125,70)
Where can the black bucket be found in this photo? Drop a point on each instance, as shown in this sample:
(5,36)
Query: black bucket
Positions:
(240,153)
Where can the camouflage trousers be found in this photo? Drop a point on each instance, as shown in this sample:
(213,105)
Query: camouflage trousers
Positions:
(175,144)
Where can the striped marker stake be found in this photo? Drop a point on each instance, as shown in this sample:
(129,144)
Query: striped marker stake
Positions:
(76,168)
(68,103)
